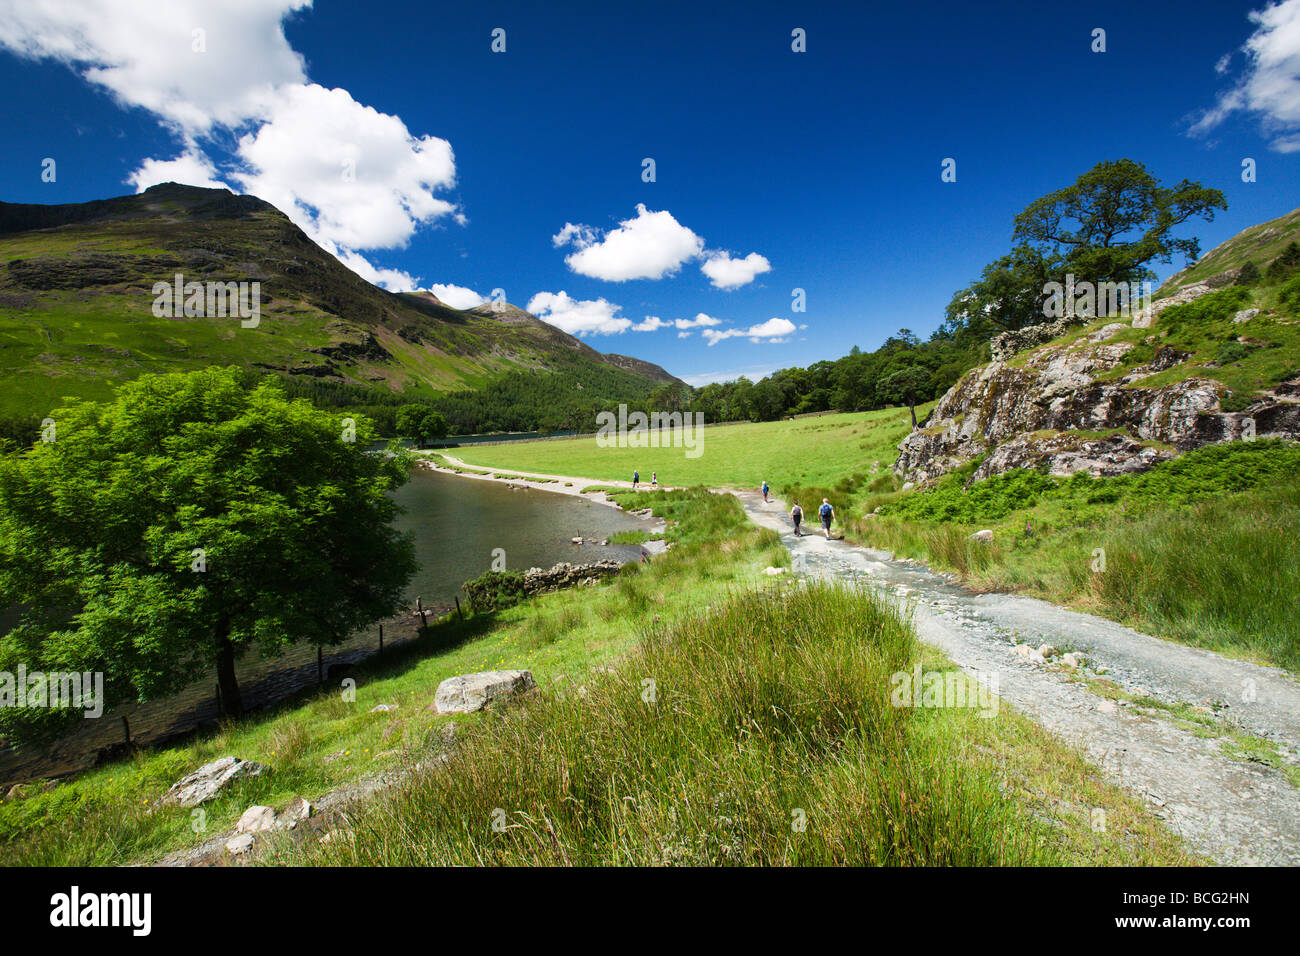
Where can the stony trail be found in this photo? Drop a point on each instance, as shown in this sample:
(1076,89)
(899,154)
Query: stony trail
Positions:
(1234,811)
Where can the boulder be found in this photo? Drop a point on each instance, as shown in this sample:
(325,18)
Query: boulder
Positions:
(255,820)
(1048,651)
(983,537)
(1245,315)
(467,693)
(209,780)
(773,572)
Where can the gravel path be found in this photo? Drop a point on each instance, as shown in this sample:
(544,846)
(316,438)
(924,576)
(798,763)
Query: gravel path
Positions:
(1233,811)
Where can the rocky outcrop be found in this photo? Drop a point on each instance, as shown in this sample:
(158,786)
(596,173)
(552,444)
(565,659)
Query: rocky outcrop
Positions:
(209,780)
(1050,411)
(467,693)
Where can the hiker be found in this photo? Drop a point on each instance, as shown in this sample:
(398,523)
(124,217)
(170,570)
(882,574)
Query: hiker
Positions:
(827,514)
(636,479)
(765,491)
(796,515)
(654,479)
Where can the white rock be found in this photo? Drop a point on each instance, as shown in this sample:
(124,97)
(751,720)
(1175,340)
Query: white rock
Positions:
(772,572)
(984,537)
(908,485)
(467,693)
(382,708)
(576,540)
(1073,659)
(209,780)
(255,820)
(1245,315)
(1108,707)
(1022,650)
(241,844)
(1048,651)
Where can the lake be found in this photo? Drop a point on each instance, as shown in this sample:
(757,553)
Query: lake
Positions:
(456,522)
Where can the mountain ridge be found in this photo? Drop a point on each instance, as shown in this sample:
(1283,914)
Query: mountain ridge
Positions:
(76,304)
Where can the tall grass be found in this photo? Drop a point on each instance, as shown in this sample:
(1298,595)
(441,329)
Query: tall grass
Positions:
(760,733)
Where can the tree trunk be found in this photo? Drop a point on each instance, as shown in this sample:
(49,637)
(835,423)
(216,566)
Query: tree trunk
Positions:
(231,704)
(911,407)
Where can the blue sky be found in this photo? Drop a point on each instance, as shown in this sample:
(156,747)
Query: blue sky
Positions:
(775,170)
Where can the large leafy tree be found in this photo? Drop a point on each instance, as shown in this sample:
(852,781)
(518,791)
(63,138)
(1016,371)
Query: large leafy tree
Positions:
(420,422)
(187,521)
(1110,225)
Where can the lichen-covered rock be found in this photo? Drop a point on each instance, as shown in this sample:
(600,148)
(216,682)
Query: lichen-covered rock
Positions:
(1048,410)
(467,693)
(209,780)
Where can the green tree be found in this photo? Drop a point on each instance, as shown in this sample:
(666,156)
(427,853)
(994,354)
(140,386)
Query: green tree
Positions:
(1114,221)
(186,521)
(1109,226)
(904,383)
(420,422)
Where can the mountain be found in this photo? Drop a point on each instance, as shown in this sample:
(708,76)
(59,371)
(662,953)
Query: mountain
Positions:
(1214,357)
(77,307)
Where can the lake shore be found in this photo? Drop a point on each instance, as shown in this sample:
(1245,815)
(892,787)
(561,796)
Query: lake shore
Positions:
(571,485)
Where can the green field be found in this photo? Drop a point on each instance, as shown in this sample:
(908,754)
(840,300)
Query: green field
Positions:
(813,450)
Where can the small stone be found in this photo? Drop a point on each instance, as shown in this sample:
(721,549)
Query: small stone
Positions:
(1108,707)
(772,572)
(1048,651)
(383,708)
(240,845)
(255,820)
(1073,659)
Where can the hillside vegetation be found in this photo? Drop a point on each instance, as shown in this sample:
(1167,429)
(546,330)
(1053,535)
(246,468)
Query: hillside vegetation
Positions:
(77,318)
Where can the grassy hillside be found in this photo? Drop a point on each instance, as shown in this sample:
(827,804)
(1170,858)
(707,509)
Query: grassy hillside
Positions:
(1259,244)
(76,307)
(1203,549)
(813,450)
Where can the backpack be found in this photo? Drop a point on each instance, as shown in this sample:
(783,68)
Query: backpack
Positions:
(825,510)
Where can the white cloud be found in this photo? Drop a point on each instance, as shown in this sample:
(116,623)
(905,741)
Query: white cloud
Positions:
(652,323)
(190,167)
(144,53)
(457,296)
(754,373)
(353,178)
(728,273)
(1270,85)
(684,335)
(649,246)
(578,316)
(699,321)
(774,330)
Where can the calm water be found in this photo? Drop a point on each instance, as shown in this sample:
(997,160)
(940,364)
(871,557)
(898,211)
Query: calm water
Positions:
(457,522)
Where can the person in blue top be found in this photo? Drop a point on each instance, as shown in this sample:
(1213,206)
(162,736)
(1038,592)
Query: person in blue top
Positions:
(636,479)
(827,514)
(765,491)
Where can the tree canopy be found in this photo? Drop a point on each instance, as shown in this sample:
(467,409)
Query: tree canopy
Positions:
(186,521)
